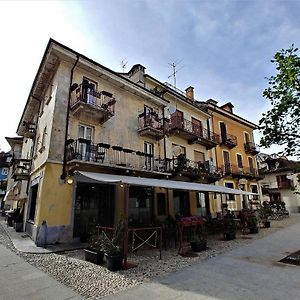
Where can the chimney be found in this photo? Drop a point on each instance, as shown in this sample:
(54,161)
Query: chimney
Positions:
(228,106)
(137,73)
(190,93)
(212,101)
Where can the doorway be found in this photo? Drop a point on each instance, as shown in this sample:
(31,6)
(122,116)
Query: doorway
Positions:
(181,203)
(94,205)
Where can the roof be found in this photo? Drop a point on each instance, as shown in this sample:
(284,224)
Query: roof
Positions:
(43,67)
(219,109)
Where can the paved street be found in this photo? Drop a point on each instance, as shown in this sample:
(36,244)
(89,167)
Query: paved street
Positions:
(248,272)
(20,280)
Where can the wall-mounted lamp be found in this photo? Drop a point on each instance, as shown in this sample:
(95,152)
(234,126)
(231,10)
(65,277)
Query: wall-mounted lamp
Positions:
(69,180)
(121,185)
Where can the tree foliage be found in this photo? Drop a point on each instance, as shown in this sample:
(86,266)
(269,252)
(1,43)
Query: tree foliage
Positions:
(281,124)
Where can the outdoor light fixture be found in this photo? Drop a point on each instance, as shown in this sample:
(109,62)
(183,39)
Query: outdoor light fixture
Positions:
(121,185)
(69,180)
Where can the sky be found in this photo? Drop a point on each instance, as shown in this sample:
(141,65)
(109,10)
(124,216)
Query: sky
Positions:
(222,48)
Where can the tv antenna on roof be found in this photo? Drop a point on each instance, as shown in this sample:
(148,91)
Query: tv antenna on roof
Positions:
(123,64)
(174,66)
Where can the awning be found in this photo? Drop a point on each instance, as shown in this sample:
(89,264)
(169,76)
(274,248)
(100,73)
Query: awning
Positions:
(163,183)
(10,193)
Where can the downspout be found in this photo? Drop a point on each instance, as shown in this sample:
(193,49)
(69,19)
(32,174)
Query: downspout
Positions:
(34,141)
(63,175)
(165,158)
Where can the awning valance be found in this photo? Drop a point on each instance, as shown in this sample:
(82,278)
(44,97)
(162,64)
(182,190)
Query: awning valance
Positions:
(163,183)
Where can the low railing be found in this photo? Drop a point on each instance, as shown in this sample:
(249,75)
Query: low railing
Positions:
(114,156)
(179,123)
(285,184)
(182,164)
(21,168)
(100,100)
(229,139)
(251,147)
(150,121)
(236,170)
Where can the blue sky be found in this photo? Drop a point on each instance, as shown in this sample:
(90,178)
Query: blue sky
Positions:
(225,47)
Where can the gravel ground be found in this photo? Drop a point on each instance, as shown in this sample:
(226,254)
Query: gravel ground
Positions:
(95,282)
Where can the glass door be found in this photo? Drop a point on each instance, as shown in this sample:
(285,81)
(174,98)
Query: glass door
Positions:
(148,150)
(84,141)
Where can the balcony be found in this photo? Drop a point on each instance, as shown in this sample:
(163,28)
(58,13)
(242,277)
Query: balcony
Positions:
(91,105)
(117,157)
(195,169)
(285,184)
(21,169)
(30,129)
(229,140)
(193,133)
(239,172)
(151,126)
(251,148)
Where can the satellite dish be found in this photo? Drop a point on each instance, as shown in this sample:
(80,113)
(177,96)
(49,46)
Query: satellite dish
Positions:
(177,150)
(171,109)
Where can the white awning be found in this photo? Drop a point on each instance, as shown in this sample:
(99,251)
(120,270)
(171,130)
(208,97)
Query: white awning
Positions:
(10,193)
(163,183)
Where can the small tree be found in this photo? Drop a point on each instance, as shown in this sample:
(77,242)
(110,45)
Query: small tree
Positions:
(280,125)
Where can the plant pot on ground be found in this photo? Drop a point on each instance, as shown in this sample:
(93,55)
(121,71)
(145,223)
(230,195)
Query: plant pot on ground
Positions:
(230,229)
(112,245)
(252,224)
(267,224)
(199,241)
(94,253)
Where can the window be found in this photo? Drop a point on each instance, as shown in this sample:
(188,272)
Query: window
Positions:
(177,119)
(226,159)
(250,161)
(85,136)
(230,197)
(148,150)
(88,88)
(247,137)
(197,127)
(254,189)
(239,160)
(199,156)
(223,131)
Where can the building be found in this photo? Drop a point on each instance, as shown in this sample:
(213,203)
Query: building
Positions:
(87,130)
(4,167)
(280,181)
(235,154)
(18,175)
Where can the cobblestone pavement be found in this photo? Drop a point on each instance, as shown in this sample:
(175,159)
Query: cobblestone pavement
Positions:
(94,282)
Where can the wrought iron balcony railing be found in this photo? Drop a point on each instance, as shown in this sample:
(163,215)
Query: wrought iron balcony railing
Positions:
(92,104)
(21,169)
(251,148)
(229,169)
(229,140)
(193,132)
(114,156)
(151,125)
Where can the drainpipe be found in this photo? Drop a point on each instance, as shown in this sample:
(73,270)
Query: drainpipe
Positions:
(34,142)
(63,175)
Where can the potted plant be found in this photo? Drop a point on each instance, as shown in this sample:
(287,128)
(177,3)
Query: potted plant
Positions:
(94,253)
(112,245)
(252,224)
(199,241)
(230,229)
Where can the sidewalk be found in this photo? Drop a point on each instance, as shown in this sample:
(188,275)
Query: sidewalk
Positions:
(249,272)
(23,243)
(19,280)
